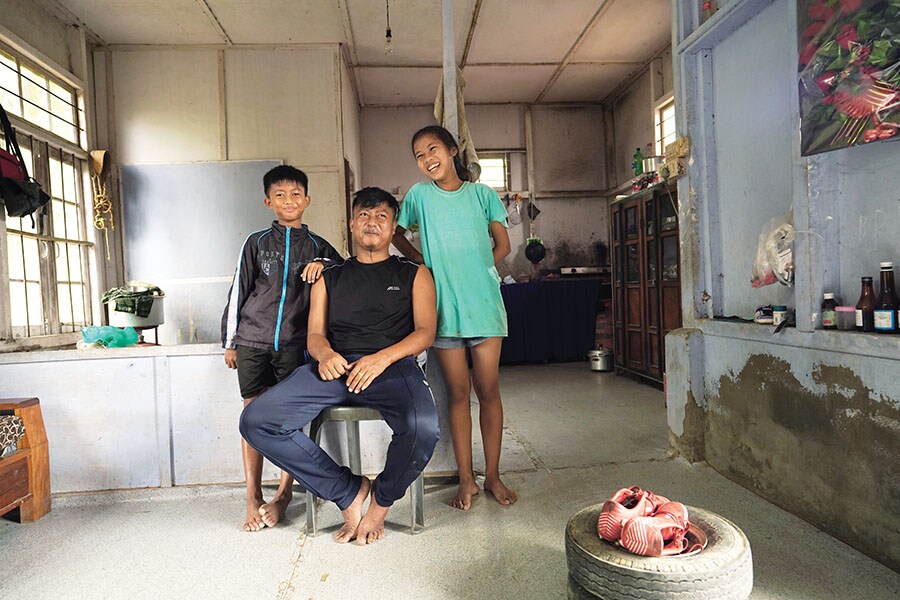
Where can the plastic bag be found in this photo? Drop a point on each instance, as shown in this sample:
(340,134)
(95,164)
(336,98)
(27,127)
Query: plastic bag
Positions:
(774,254)
(109,337)
(514,210)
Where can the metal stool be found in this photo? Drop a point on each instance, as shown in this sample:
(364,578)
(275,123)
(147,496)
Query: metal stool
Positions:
(352,415)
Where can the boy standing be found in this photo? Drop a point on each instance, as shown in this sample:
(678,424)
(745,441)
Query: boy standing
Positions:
(265,321)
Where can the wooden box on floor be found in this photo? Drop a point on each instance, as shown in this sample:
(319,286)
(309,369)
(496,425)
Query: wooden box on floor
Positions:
(25,474)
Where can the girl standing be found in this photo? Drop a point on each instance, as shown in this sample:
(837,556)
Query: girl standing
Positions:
(457,220)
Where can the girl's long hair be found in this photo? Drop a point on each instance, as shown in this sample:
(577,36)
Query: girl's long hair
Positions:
(447,139)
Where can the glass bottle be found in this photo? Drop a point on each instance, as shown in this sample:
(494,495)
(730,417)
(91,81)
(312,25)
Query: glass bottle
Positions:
(865,308)
(886,307)
(829,311)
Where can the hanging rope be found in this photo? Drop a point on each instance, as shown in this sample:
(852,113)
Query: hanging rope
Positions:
(103,215)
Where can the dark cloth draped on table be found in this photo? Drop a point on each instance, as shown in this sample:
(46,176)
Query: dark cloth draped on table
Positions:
(550,321)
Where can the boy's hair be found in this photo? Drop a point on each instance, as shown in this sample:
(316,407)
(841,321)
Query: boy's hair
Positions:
(285,173)
(448,140)
(370,197)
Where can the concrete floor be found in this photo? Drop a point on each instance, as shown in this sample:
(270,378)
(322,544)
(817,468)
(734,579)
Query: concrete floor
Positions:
(573,438)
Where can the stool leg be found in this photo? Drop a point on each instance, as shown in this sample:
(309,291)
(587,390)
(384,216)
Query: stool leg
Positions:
(315,433)
(417,496)
(353,447)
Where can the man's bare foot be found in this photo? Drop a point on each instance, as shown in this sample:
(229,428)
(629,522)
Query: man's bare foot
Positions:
(371,528)
(468,489)
(500,492)
(353,514)
(271,512)
(253,521)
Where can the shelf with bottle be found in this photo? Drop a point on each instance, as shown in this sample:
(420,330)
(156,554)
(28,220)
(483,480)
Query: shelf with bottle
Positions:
(872,313)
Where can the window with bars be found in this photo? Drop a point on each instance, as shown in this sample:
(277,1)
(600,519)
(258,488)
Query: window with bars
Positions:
(495,171)
(49,259)
(665,125)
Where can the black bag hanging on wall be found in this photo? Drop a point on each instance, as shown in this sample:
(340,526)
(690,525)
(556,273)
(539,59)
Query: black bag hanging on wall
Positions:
(21,194)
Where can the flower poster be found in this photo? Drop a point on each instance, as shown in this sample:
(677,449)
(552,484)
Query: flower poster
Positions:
(849,73)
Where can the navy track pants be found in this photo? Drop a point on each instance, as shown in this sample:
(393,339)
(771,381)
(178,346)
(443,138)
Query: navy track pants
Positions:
(273,423)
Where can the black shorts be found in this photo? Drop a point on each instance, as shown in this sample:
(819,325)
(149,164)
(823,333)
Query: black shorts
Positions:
(259,370)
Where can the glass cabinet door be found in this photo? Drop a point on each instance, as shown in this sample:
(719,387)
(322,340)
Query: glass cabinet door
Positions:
(670,258)
(631,222)
(668,216)
(633,266)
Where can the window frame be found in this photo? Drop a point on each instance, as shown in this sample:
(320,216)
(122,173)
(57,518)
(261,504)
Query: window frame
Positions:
(46,144)
(507,171)
(658,138)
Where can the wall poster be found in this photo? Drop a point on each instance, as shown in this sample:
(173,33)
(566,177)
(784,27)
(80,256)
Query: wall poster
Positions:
(849,72)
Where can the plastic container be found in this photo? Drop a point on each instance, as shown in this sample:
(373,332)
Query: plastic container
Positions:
(779,314)
(846,318)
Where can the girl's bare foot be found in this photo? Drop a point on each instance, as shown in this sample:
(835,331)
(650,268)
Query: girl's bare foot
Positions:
(253,520)
(500,492)
(271,512)
(468,489)
(371,528)
(353,514)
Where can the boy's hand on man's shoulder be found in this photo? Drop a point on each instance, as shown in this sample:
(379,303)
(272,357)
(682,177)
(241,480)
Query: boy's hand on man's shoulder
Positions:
(312,271)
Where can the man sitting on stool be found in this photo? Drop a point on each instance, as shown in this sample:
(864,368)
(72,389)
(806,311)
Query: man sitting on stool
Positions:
(368,319)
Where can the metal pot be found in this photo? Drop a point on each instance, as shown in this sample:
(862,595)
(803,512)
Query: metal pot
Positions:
(601,360)
(651,163)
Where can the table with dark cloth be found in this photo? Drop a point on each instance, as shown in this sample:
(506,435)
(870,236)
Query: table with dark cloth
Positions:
(551,320)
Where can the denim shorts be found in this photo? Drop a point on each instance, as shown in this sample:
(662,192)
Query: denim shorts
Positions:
(450,343)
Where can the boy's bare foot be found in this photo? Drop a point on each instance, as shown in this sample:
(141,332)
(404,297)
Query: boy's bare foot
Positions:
(253,521)
(371,528)
(353,514)
(500,492)
(271,512)
(468,489)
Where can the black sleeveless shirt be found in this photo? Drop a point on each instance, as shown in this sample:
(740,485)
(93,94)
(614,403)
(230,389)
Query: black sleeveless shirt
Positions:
(369,305)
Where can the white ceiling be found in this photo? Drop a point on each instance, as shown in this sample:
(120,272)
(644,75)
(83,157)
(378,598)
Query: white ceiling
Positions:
(528,51)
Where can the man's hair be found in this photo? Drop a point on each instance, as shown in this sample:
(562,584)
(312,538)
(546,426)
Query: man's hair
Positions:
(285,173)
(370,197)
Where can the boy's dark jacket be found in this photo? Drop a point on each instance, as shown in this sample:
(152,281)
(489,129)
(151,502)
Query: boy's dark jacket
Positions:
(268,303)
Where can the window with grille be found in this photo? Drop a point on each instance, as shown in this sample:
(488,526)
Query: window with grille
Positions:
(495,171)
(665,125)
(49,259)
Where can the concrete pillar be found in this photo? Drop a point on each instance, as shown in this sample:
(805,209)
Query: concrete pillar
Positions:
(686,406)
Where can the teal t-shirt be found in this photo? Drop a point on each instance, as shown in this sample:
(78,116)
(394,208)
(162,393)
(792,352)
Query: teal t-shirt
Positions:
(454,231)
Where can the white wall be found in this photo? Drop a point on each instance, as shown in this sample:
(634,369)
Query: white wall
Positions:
(633,115)
(166,106)
(350,123)
(278,104)
(32,23)
(161,416)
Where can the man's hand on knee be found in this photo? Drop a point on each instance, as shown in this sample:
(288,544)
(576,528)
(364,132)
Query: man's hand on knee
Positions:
(333,367)
(364,371)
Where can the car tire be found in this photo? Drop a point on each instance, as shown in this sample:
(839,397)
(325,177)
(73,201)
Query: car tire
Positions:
(598,569)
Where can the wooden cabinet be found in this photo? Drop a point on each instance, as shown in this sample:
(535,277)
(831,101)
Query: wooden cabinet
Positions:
(646,278)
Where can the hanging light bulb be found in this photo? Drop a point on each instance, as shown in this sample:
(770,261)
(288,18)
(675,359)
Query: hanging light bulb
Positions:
(388,45)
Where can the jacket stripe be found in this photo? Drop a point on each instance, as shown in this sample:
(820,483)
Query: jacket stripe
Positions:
(287,267)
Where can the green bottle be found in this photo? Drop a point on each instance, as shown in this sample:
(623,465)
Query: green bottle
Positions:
(637,163)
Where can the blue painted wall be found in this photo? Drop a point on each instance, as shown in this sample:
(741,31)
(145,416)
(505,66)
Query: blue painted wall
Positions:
(809,419)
